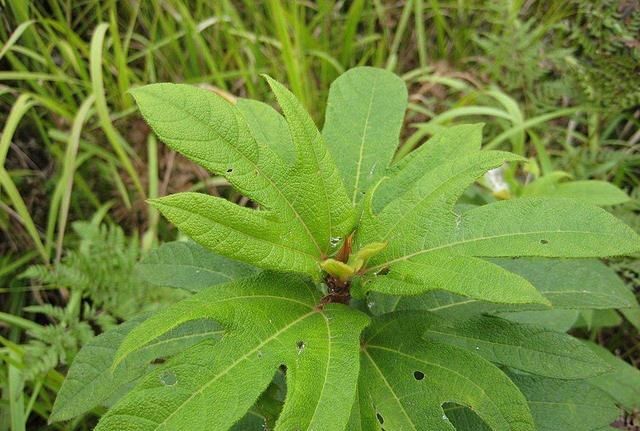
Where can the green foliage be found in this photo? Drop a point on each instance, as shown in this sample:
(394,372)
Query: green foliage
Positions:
(101,268)
(100,280)
(186,265)
(281,326)
(91,382)
(347,367)
(606,35)
(593,192)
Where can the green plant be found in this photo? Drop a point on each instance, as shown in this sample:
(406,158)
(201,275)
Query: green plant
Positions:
(333,240)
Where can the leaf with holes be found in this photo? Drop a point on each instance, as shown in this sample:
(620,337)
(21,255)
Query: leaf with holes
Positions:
(408,379)
(91,379)
(270,321)
(307,265)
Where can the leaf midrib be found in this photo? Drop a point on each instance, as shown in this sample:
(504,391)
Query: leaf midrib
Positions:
(518,347)
(251,162)
(240,232)
(234,364)
(484,238)
(362,140)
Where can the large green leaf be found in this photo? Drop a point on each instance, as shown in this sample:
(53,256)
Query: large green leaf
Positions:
(431,246)
(407,380)
(240,233)
(522,227)
(524,347)
(583,283)
(302,206)
(314,183)
(566,405)
(270,321)
(186,265)
(364,115)
(463,275)
(91,379)
(569,285)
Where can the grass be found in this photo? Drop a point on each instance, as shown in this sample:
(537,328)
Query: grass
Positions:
(73,147)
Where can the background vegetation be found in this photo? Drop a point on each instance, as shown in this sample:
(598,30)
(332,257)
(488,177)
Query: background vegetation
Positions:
(556,81)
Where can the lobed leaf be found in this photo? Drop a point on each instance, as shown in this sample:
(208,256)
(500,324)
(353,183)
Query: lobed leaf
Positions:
(238,232)
(304,206)
(314,182)
(270,321)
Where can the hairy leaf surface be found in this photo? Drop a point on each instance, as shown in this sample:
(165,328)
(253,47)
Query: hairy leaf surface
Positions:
(448,144)
(364,115)
(315,181)
(525,347)
(566,405)
(268,128)
(187,265)
(409,379)
(91,379)
(270,320)
(303,206)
